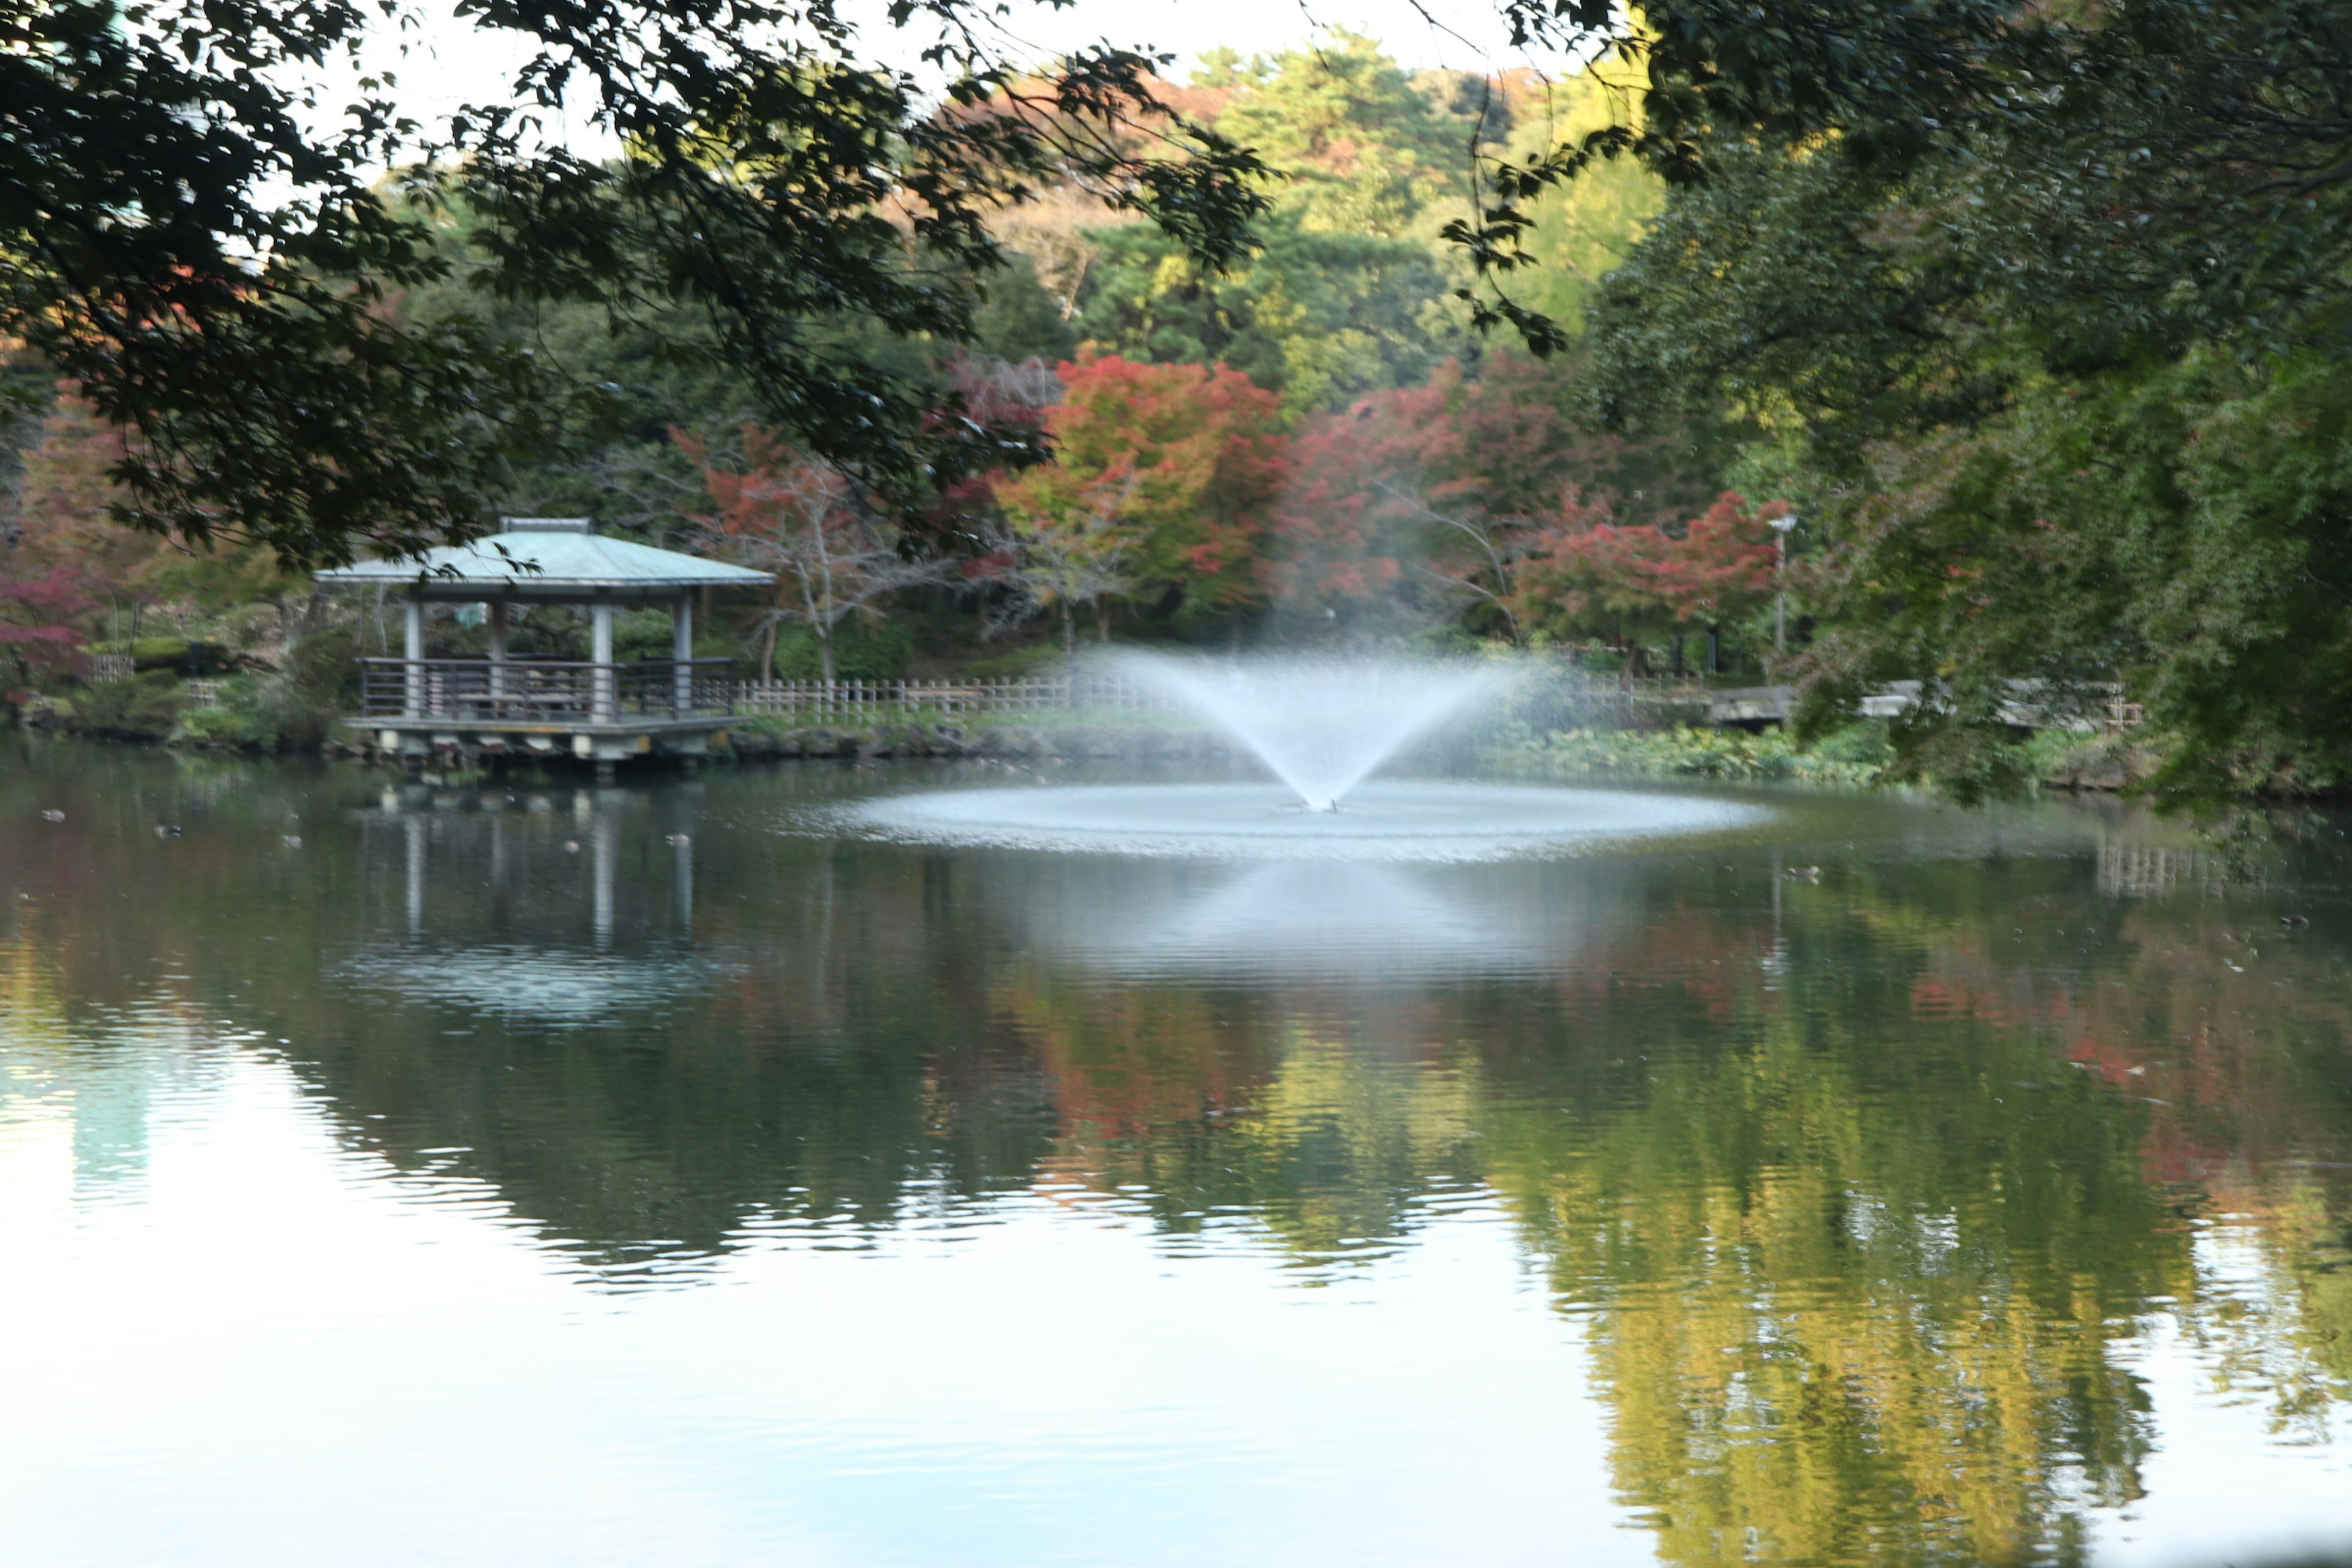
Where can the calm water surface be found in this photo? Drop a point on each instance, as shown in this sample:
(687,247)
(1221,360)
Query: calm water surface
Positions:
(542,1175)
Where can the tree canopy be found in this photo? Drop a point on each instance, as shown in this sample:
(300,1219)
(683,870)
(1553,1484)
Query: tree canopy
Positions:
(190,235)
(2039,315)
(2052,341)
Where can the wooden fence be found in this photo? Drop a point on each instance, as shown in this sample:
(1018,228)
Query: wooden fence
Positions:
(822,701)
(856,701)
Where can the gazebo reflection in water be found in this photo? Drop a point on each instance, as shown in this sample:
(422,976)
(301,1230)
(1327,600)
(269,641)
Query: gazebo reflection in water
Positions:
(595,710)
(511,865)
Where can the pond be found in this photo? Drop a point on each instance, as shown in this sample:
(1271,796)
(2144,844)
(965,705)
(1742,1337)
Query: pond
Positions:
(699,1172)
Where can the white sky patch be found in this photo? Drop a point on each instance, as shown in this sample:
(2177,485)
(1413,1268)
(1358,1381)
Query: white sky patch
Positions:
(275,1350)
(2221,1486)
(443,64)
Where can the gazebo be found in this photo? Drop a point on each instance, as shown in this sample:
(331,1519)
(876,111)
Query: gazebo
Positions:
(595,710)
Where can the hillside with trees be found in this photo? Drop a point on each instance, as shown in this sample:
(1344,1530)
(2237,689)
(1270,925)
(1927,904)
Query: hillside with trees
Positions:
(1317,347)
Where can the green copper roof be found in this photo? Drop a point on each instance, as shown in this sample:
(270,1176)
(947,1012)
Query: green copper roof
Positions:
(570,561)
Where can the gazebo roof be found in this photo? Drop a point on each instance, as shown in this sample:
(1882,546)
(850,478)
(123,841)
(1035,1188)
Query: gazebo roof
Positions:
(572,560)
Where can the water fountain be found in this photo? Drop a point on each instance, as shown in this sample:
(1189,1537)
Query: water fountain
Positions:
(1323,727)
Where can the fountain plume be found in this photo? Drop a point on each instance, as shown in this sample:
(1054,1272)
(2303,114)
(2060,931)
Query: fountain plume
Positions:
(1323,726)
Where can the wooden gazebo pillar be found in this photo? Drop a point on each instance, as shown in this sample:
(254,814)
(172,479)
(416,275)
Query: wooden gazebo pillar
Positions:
(681,649)
(498,673)
(413,685)
(602,698)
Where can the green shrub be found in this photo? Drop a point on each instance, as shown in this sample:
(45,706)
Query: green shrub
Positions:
(640,634)
(243,716)
(263,713)
(146,707)
(878,652)
(179,655)
(1856,754)
(1040,660)
(1442,641)
(1862,744)
(321,678)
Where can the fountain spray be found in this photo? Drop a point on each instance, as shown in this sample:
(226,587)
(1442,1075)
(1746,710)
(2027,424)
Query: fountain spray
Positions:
(1323,726)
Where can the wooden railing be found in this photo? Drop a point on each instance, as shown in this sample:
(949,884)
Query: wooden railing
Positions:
(820,701)
(545,690)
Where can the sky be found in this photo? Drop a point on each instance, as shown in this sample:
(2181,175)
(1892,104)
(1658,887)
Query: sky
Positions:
(448,64)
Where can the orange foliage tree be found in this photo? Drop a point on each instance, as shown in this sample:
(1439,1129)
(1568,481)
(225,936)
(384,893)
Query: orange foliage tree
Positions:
(1170,471)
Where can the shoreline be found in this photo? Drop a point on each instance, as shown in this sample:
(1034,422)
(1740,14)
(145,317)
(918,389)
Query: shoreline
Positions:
(1720,756)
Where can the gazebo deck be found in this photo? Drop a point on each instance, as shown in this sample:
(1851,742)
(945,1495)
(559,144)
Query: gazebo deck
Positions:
(598,712)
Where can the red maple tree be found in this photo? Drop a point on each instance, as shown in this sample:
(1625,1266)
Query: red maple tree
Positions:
(832,555)
(1584,573)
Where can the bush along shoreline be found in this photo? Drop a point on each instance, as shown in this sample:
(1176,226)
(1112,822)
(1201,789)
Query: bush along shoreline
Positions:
(1855,756)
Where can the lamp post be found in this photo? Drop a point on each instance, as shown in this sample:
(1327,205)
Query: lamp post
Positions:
(1781,527)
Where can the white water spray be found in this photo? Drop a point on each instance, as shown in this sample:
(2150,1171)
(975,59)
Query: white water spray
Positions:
(1322,725)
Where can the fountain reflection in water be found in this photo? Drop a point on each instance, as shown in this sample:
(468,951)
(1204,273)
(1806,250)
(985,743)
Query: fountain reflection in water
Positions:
(1294,921)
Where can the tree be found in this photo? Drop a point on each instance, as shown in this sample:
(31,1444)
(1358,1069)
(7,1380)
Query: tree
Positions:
(803,520)
(1076,553)
(1583,228)
(1420,498)
(1339,544)
(1194,458)
(1365,151)
(1788,289)
(59,519)
(1320,318)
(1938,317)
(2179,530)
(40,618)
(1417,487)
(59,509)
(1584,573)
(774,178)
(189,233)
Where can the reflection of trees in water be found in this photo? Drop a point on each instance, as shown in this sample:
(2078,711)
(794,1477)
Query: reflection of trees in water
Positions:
(2273,1312)
(822,1059)
(1325,1132)
(1861,1200)
(1865,1209)
(838,1059)
(2227,1037)
(1861,1277)
(1834,1320)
